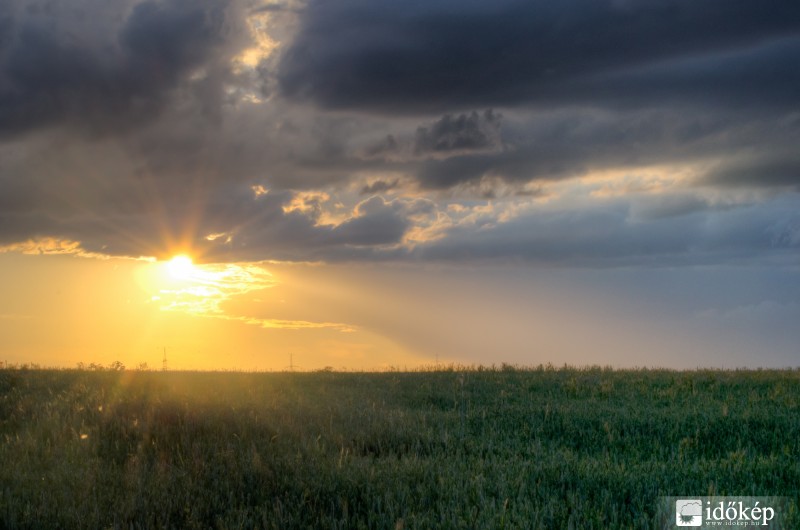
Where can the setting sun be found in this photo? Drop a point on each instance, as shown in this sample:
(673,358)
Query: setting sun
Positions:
(180,267)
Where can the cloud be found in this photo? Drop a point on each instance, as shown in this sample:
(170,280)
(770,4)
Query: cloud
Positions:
(458,134)
(379,186)
(281,227)
(614,234)
(445,54)
(375,222)
(47,246)
(582,132)
(665,206)
(104,68)
(449,136)
(565,143)
(772,170)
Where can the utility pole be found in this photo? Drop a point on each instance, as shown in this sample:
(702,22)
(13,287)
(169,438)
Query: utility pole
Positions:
(164,361)
(291,366)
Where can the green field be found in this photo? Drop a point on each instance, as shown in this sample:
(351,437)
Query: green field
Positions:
(472,448)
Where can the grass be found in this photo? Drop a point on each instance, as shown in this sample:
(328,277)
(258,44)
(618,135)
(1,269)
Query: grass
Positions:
(476,448)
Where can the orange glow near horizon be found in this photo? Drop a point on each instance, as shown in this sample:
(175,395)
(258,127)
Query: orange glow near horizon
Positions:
(59,309)
(206,315)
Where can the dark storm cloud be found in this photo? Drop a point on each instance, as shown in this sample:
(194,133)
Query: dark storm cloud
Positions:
(115,74)
(423,56)
(561,143)
(465,132)
(449,136)
(566,143)
(752,78)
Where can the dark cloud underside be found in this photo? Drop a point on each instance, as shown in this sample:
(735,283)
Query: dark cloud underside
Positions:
(423,56)
(114,78)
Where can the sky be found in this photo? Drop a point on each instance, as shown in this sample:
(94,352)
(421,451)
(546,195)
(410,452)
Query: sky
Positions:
(377,184)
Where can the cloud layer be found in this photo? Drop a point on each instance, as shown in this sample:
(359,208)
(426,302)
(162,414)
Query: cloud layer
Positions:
(580,133)
(429,56)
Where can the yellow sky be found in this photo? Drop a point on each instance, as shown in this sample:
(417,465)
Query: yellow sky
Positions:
(59,310)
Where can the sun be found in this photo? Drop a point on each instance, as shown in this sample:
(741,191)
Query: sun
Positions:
(181,267)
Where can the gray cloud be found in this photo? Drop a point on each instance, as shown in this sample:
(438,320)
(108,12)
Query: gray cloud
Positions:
(442,55)
(104,74)
(216,222)
(175,144)
(665,206)
(268,229)
(388,146)
(568,143)
(454,134)
(376,223)
(449,136)
(773,170)
(379,186)
(613,235)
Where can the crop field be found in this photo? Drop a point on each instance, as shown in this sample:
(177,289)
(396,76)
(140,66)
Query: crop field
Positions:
(452,448)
